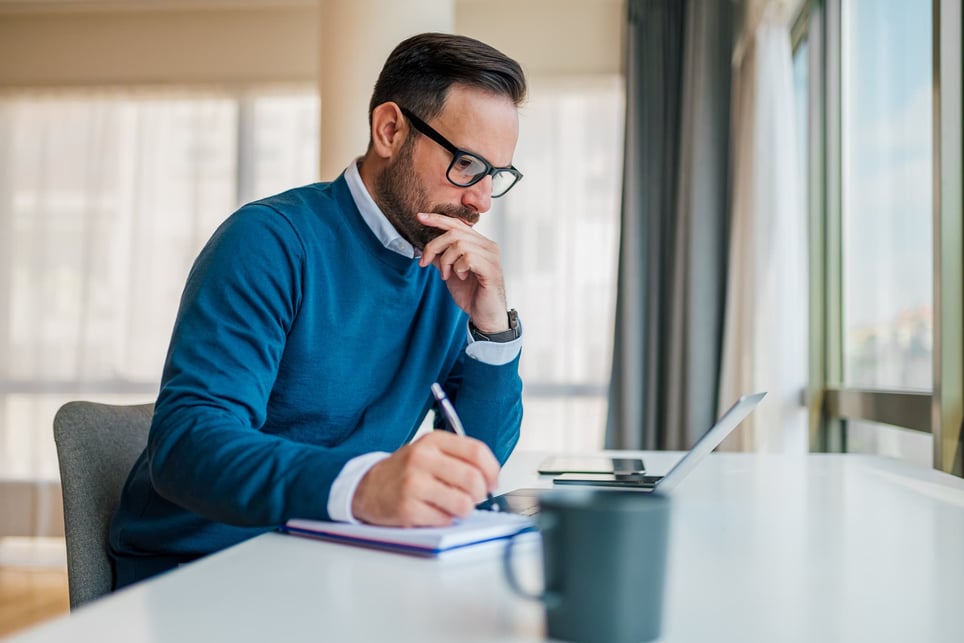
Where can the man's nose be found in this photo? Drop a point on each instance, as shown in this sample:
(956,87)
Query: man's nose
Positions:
(478,196)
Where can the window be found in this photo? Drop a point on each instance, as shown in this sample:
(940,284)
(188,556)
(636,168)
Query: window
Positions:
(887,208)
(886,215)
(559,233)
(874,165)
(105,199)
(107,196)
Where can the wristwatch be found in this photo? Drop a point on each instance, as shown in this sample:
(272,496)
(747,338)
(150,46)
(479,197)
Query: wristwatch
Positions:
(502,336)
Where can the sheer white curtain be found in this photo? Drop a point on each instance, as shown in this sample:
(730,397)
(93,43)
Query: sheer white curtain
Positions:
(105,199)
(107,196)
(765,328)
(558,231)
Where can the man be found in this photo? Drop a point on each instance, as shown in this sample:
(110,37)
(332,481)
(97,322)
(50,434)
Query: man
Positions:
(314,322)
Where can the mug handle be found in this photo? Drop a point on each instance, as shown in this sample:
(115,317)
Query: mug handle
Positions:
(546,523)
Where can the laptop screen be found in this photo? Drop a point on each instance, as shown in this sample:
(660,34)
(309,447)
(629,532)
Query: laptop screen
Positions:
(710,440)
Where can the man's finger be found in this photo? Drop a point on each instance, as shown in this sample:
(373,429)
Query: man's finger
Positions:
(469,450)
(442,221)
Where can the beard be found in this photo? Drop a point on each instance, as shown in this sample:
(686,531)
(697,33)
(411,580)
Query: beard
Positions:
(401,196)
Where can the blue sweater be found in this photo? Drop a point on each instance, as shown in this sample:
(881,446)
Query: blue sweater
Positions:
(300,343)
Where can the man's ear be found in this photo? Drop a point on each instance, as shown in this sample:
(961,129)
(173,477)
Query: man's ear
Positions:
(389,130)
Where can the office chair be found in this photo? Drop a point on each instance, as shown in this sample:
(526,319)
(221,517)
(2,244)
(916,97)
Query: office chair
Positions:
(97,445)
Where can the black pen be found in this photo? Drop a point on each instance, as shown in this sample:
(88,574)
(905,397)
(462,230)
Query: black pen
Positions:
(453,421)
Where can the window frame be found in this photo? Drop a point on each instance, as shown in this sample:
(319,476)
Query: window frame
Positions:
(830,403)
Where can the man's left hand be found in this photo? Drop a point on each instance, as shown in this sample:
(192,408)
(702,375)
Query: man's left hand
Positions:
(471,267)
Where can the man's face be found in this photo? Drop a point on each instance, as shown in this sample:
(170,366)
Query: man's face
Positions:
(401,196)
(415,179)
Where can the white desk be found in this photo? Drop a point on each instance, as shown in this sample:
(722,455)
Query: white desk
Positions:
(763,548)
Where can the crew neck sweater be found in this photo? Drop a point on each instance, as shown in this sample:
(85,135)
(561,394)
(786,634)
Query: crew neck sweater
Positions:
(300,343)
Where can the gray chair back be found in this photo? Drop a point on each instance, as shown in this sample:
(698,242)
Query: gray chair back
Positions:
(97,445)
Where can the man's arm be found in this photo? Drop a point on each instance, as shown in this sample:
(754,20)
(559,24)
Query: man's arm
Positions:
(447,476)
(206,452)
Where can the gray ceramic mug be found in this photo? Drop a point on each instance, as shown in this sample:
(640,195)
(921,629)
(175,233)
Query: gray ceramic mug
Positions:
(604,555)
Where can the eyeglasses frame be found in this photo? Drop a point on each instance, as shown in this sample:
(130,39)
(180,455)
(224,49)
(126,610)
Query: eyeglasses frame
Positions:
(456,152)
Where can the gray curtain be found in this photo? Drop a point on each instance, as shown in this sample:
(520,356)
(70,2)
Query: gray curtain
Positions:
(672,255)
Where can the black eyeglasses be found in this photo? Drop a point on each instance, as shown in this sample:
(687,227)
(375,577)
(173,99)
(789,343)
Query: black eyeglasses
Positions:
(467,168)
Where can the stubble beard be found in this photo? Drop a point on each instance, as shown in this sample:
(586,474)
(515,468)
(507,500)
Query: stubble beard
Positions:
(401,196)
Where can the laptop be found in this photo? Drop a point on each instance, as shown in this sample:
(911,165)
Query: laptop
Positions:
(526,501)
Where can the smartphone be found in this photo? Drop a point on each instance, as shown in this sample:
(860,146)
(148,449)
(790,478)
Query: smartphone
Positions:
(631,480)
(555,465)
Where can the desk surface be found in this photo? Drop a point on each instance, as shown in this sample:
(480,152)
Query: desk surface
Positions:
(763,548)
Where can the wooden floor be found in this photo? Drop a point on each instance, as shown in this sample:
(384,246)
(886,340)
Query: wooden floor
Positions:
(30,595)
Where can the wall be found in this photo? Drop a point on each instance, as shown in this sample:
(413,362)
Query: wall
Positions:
(29,508)
(150,46)
(550,37)
(135,42)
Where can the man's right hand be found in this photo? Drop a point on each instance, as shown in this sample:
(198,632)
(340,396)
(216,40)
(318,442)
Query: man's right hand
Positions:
(439,477)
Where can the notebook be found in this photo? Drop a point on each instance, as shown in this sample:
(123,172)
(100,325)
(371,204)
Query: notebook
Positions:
(478,528)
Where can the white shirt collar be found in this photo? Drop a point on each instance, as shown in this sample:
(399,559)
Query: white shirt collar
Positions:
(373,216)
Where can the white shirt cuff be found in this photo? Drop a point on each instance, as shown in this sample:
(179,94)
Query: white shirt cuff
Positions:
(343,488)
(494,353)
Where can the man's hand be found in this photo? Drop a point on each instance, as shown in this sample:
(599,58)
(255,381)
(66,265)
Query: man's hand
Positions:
(429,482)
(473,260)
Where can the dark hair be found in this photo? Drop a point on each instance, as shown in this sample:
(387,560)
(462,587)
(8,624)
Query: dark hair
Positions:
(419,71)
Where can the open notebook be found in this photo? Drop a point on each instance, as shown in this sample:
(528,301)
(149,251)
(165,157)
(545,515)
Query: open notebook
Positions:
(479,527)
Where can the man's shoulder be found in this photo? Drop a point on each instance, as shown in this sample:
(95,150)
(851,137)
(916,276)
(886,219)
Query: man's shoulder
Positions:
(314,197)
(306,210)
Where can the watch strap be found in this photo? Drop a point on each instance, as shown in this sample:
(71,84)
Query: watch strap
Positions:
(501,337)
